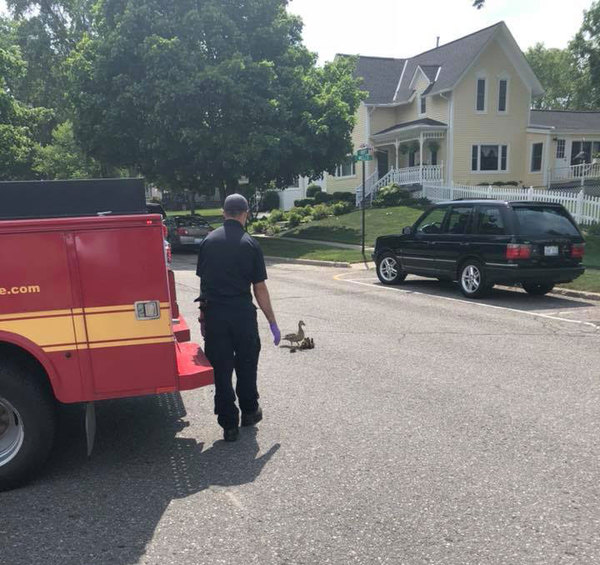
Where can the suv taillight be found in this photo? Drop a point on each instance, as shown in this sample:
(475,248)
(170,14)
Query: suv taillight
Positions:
(182,231)
(578,250)
(518,251)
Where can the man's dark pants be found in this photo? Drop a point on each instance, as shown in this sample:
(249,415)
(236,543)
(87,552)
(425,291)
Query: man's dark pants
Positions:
(232,342)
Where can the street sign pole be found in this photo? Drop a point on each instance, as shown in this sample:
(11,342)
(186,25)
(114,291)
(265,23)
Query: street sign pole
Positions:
(363,206)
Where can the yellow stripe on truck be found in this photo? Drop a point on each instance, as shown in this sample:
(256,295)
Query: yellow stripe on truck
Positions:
(109,326)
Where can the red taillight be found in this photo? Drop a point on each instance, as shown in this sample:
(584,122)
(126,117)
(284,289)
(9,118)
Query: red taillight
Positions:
(182,231)
(518,251)
(578,250)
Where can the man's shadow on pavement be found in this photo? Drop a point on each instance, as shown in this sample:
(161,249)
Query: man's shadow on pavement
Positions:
(106,509)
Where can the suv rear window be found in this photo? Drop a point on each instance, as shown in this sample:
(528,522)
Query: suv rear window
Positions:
(544,220)
(489,221)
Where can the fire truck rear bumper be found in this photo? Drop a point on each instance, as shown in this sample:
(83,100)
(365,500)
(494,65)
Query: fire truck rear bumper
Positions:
(193,368)
(181,329)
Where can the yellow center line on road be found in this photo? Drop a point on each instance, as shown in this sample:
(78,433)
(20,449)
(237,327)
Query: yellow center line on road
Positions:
(341,277)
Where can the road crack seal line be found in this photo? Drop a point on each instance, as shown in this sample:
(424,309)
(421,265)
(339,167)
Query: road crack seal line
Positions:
(340,277)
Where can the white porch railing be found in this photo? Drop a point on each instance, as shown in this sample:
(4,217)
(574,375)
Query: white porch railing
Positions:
(401,177)
(584,209)
(575,173)
(369,183)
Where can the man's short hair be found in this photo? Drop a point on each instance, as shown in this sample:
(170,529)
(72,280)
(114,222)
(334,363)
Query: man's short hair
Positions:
(235,205)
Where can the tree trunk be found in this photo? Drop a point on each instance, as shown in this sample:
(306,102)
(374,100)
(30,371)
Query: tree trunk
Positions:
(192,202)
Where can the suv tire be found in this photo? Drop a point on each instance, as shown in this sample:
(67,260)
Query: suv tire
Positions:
(472,279)
(27,423)
(388,269)
(538,289)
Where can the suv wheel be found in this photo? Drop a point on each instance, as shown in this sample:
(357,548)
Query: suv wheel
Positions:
(472,279)
(388,269)
(538,289)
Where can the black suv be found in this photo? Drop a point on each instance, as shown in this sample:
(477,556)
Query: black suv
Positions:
(480,243)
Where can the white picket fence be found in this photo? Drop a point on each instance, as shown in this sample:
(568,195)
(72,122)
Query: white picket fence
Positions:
(584,209)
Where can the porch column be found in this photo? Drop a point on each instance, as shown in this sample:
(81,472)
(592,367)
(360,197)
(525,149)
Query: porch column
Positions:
(397,146)
(421,158)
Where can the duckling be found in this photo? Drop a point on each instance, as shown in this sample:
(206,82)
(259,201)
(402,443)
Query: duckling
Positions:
(297,337)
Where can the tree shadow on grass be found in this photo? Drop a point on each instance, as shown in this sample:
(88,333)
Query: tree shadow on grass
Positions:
(340,234)
(106,509)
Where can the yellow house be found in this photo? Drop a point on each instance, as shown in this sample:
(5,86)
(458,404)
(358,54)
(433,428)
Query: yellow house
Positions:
(462,113)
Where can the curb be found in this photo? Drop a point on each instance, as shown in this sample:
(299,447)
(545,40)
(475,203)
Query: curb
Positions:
(576,293)
(313,262)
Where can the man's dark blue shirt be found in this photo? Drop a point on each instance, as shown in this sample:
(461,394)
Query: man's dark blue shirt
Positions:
(229,262)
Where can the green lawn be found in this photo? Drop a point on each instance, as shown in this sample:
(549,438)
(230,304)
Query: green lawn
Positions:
(347,228)
(301,250)
(592,251)
(589,281)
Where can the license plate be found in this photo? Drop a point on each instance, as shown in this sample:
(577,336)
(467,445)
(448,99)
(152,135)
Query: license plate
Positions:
(551,250)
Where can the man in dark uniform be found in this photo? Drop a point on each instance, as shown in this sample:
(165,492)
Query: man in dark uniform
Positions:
(229,263)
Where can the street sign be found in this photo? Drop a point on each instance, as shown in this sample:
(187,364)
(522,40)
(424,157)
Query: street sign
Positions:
(363,151)
(364,157)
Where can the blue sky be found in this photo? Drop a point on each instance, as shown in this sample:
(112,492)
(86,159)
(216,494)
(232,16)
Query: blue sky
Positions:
(402,28)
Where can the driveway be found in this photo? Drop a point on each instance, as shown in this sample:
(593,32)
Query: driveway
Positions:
(423,428)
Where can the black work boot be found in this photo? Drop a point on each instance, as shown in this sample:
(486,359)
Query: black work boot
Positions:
(252,418)
(231,434)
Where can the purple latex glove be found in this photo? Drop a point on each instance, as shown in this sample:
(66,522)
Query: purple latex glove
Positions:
(276,333)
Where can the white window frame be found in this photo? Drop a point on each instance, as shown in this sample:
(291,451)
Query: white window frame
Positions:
(561,143)
(531,158)
(484,77)
(422,99)
(500,79)
(498,171)
(338,170)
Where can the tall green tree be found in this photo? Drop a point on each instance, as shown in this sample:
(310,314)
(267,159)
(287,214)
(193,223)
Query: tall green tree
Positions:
(563,80)
(63,158)
(19,123)
(197,94)
(586,49)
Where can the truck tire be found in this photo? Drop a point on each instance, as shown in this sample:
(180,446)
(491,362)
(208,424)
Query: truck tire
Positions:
(27,423)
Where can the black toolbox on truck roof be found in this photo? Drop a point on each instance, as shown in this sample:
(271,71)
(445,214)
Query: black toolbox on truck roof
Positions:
(21,200)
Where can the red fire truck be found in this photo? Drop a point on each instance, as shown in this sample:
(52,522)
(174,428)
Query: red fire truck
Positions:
(88,311)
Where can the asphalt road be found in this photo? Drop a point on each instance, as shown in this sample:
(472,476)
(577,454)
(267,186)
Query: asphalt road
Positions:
(423,428)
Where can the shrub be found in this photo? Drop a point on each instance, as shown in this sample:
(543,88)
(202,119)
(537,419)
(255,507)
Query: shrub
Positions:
(344,197)
(303,211)
(391,195)
(341,208)
(320,211)
(276,216)
(323,197)
(270,201)
(312,190)
(260,226)
(294,219)
(304,202)
(273,230)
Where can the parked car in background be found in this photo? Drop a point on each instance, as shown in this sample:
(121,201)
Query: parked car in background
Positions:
(480,243)
(187,231)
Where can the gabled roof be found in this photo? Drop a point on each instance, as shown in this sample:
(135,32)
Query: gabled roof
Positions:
(443,66)
(380,77)
(565,120)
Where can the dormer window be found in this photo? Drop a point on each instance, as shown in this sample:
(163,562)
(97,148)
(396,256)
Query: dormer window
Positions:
(423,106)
(481,94)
